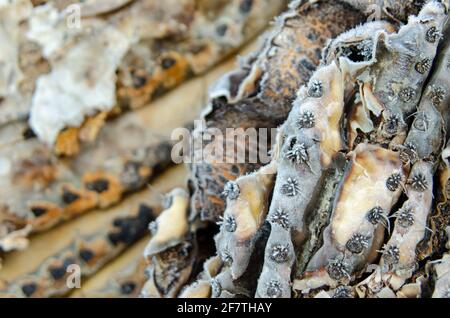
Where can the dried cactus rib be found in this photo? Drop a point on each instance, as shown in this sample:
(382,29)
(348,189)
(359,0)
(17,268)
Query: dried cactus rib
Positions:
(41,191)
(171,252)
(147,60)
(356,231)
(340,266)
(243,217)
(299,176)
(421,147)
(287,57)
(310,147)
(440,218)
(89,252)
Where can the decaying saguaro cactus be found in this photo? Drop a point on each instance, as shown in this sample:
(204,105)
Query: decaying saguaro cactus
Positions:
(363,105)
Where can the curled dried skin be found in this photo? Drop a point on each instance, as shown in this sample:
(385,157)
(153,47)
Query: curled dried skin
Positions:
(169,270)
(287,57)
(370,167)
(89,251)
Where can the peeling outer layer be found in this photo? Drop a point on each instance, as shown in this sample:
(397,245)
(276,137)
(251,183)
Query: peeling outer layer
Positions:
(243,217)
(41,191)
(356,229)
(132,52)
(89,252)
(171,251)
(169,270)
(441,274)
(401,63)
(260,93)
(307,151)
